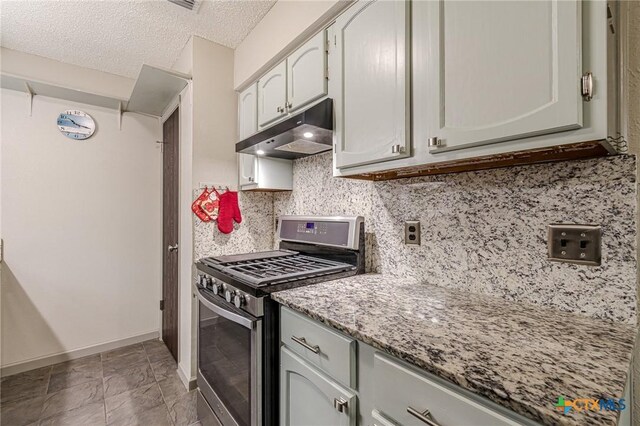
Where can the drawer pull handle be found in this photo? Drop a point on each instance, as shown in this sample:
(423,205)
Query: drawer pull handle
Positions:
(340,404)
(302,341)
(424,417)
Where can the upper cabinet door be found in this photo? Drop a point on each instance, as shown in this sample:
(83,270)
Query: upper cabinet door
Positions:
(306,72)
(498,70)
(272,95)
(248,165)
(369,81)
(248,112)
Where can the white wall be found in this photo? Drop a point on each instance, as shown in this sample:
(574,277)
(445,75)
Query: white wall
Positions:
(186,335)
(81,224)
(207,154)
(214,114)
(286,25)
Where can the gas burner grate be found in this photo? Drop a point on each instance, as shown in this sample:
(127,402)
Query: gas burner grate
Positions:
(282,269)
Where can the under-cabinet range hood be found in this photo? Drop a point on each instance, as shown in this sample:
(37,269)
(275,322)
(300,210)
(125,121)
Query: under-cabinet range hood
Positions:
(302,134)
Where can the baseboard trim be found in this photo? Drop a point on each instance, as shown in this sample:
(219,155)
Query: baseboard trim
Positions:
(190,384)
(15,368)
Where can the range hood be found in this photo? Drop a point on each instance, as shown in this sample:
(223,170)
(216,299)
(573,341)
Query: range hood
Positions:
(305,133)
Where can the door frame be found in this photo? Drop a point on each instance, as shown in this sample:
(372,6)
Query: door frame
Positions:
(171,108)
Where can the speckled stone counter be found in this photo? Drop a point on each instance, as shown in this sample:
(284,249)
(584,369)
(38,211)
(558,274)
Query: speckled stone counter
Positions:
(520,356)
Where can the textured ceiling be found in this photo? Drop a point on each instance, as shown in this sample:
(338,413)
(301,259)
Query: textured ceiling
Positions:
(119,36)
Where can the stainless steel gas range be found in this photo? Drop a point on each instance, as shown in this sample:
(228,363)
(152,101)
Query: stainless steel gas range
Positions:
(238,323)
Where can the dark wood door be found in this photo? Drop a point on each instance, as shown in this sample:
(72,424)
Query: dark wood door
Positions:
(170,211)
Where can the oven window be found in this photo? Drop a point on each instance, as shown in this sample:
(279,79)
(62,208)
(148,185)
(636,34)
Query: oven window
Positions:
(224,356)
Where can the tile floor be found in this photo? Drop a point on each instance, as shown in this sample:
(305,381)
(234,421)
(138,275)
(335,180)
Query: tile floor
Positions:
(134,385)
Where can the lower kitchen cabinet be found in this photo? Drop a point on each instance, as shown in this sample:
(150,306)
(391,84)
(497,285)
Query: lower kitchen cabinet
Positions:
(309,397)
(385,391)
(407,398)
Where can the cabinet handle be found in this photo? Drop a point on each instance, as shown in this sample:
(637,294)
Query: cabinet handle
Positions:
(288,105)
(302,341)
(435,142)
(424,417)
(279,109)
(397,149)
(587,86)
(340,404)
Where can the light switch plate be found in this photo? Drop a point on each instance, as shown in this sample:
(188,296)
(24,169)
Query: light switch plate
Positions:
(581,244)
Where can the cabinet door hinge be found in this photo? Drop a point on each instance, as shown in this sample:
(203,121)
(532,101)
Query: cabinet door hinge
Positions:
(162,305)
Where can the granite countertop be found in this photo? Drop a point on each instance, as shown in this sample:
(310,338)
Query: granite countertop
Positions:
(520,356)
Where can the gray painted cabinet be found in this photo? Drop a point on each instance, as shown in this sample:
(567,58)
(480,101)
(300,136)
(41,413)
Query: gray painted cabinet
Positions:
(309,397)
(370,82)
(297,81)
(487,78)
(248,112)
(383,392)
(500,71)
(306,73)
(272,95)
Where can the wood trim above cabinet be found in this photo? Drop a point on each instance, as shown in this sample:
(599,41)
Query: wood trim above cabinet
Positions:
(575,151)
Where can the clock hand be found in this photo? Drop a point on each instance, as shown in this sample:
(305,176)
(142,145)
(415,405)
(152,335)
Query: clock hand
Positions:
(78,124)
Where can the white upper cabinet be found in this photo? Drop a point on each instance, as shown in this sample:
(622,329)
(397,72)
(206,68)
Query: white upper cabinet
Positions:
(500,71)
(248,112)
(248,170)
(487,78)
(306,73)
(257,173)
(294,83)
(369,82)
(272,95)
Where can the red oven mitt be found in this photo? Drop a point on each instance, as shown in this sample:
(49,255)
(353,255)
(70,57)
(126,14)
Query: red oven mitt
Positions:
(229,211)
(196,207)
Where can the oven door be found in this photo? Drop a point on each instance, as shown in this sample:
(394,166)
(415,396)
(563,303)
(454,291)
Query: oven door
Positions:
(229,361)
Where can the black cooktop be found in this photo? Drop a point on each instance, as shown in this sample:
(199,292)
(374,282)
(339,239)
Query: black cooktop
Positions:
(273,267)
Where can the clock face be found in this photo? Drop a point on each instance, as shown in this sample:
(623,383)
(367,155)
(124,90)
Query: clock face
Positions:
(76,124)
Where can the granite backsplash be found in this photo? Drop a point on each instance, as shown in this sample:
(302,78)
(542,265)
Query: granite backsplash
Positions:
(255,233)
(485,231)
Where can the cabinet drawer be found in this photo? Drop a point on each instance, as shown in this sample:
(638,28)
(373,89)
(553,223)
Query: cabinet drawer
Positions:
(379,420)
(399,390)
(331,352)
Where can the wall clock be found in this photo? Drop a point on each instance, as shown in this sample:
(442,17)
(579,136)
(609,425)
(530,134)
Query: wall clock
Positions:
(76,124)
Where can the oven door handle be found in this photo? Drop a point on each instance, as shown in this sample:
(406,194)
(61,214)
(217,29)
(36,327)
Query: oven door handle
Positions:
(220,310)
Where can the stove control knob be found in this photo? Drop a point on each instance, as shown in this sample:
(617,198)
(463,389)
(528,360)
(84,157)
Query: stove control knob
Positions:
(216,287)
(208,282)
(239,300)
(229,295)
(200,280)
